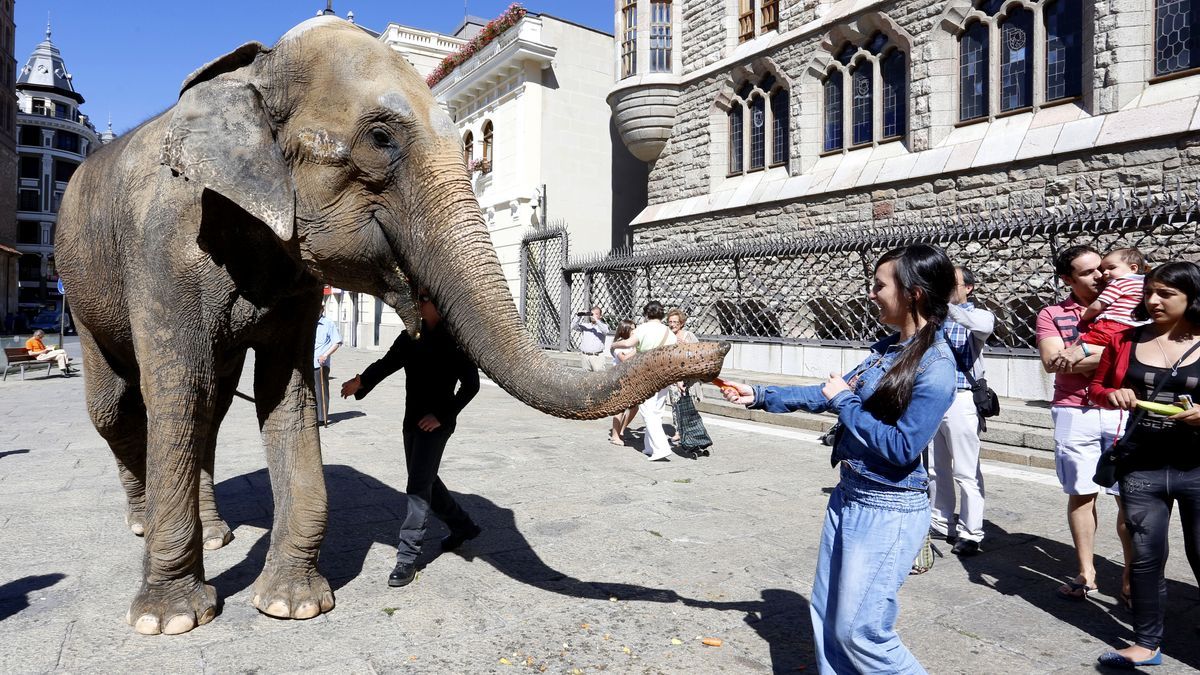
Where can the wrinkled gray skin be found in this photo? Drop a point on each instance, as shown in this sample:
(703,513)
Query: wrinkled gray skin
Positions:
(210,229)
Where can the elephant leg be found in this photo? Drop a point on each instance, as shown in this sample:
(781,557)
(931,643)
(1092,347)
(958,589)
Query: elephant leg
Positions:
(180,403)
(215,532)
(290,586)
(116,409)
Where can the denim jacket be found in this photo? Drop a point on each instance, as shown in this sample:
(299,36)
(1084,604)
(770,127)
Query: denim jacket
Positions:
(882,452)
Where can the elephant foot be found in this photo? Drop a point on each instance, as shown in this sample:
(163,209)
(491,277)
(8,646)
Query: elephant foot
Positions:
(173,607)
(289,593)
(215,535)
(135,518)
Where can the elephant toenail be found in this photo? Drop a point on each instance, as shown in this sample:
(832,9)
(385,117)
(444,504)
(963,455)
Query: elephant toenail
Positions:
(279,609)
(147,624)
(208,615)
(180,623)
(306,610)
(326,601)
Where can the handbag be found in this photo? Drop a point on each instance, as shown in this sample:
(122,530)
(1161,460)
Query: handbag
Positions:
(987,404)
(1110,460)
(693,437)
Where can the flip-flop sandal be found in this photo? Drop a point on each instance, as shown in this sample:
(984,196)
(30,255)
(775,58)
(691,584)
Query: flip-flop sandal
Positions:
(1073,589)
(615,441)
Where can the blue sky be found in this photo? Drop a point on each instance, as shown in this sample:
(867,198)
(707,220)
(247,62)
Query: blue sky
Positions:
(128,57)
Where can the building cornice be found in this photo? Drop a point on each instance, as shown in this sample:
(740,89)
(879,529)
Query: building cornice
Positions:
(503,57)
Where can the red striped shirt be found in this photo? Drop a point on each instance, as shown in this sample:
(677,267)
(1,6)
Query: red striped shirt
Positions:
(1120,297)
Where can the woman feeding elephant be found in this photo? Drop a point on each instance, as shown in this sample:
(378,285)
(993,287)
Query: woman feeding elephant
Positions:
(210,229)
(889,407)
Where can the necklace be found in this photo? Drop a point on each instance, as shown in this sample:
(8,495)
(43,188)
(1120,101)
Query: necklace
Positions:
(1174,368)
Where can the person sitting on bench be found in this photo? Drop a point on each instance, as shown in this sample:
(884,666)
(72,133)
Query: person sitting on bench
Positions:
(37,348)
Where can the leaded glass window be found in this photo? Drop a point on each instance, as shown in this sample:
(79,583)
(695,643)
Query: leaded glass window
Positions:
(1064,44)
(758,132)
(1016,60)
(779,126)
(973,72)
(1176,35)
(468,148)
(895,95)
(833,111)
(735,138)
(862,115)
(660,36)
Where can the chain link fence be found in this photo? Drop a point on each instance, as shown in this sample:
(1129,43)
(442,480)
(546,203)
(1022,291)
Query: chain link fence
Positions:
(813,290)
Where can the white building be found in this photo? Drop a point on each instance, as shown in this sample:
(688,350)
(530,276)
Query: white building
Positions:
(531,108)
(53,139)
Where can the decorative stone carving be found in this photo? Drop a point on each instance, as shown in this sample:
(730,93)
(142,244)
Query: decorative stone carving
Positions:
(645,115)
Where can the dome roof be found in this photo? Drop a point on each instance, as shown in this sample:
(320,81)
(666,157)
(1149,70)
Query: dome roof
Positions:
(46,71)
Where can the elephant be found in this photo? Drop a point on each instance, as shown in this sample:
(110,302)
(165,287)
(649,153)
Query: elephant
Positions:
(210,229)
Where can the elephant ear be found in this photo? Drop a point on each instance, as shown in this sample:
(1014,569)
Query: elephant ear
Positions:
(221,137)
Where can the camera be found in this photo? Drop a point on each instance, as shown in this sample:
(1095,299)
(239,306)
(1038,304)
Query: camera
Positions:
(583,313)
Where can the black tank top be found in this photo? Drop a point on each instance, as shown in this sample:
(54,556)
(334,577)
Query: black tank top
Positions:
(1159,443)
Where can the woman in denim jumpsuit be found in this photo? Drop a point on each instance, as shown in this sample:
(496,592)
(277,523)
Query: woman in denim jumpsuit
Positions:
(889,407)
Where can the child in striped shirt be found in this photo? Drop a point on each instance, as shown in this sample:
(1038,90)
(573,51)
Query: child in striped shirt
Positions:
(1112,312)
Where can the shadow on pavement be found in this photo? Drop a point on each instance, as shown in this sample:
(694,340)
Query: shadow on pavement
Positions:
(347,415)
(364,511)
(782,620)
(14,596)
(14,452)
(1032,568)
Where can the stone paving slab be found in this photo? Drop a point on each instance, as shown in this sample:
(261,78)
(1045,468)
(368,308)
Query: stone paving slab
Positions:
(592,559)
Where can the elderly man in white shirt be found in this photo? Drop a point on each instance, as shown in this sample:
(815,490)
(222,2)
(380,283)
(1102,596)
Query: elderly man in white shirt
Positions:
(591,341)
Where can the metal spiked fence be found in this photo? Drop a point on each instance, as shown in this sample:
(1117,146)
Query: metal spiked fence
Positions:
(813,289)
(544,296)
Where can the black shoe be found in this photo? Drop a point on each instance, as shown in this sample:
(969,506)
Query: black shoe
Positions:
(965,547)
(403,575)
(457,538)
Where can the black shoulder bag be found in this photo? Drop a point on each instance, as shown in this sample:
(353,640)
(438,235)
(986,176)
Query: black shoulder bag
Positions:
(987,404)
(1110,460)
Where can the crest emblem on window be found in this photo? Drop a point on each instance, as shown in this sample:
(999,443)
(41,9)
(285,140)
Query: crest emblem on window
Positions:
(758,118)
(862,86)
(1014,37)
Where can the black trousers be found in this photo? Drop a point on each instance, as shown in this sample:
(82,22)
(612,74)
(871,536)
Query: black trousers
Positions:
(423,455)
(1148,497)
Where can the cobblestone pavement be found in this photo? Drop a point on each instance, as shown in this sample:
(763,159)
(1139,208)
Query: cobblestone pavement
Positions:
(592,558)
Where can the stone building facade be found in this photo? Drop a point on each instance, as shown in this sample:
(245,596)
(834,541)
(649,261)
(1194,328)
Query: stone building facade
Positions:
(53,139)
(9,255)
(779,118)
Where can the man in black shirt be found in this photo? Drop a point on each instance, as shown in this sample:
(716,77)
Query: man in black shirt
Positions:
(433,365)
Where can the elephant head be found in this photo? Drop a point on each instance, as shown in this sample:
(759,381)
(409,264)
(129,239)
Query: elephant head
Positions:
(335,142)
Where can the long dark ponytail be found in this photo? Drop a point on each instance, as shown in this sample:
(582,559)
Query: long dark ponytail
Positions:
(924,267)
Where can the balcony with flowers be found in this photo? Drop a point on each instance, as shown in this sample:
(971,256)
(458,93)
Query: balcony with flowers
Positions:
(501,49)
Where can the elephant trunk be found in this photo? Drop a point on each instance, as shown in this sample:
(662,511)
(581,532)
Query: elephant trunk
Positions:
(462,272)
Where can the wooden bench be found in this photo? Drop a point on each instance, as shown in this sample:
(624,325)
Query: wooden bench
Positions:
(19,358)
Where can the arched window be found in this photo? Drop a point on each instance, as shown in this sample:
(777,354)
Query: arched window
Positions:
(1016,60)
(1015,29)
(759,125)
(874,116)
(468,149)
(736,119)
(861,112)
(1064,43)
(895,95)
(832,89)
(758,131)
(973,72)
(1176,36)
(779,126)
(487,146)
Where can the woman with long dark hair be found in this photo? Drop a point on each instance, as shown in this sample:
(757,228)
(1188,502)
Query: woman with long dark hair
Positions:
(1160,455)
(889,407)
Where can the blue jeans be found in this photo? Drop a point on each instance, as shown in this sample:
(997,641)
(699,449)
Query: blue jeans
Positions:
(872,534)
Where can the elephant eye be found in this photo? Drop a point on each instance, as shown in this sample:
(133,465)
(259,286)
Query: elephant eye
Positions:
(380,138)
